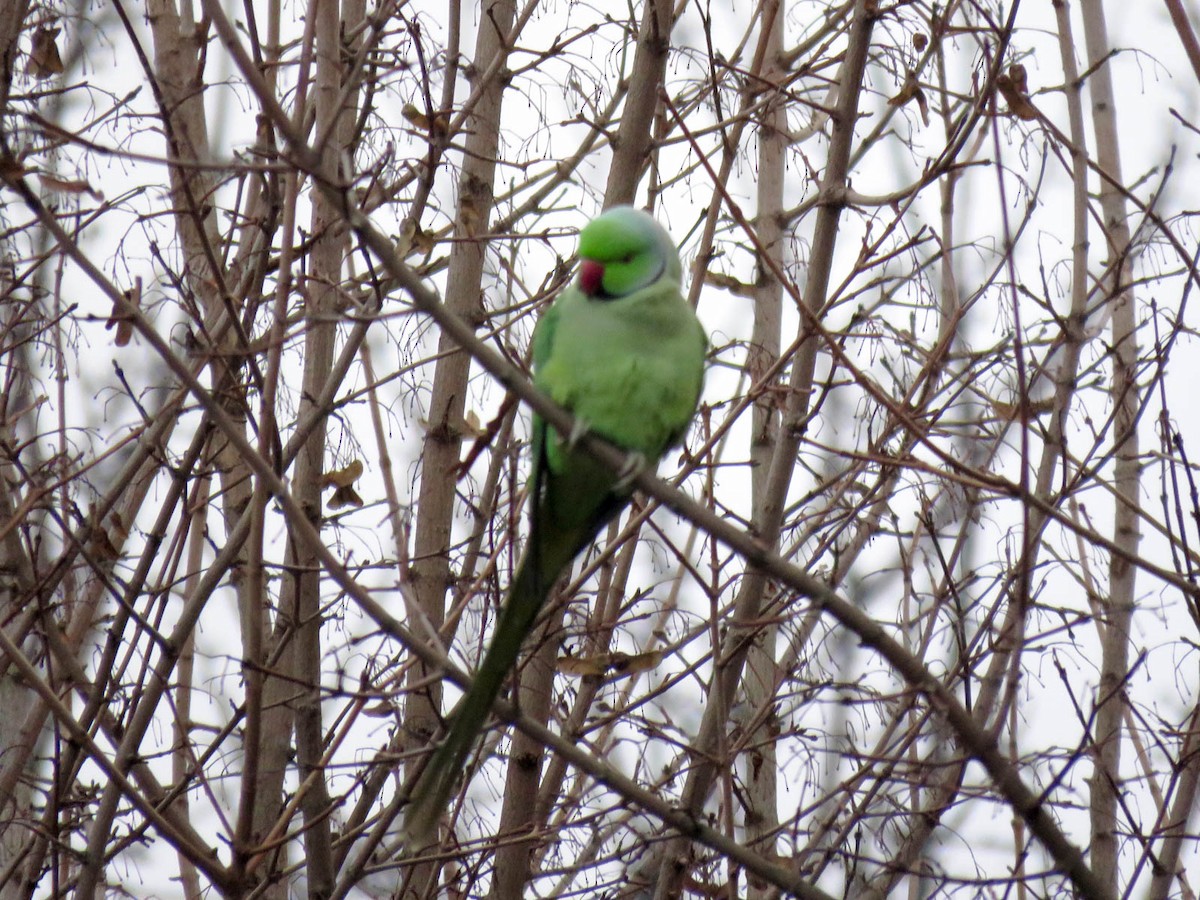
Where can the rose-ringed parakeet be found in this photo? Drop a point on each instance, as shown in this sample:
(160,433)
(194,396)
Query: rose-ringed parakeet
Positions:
(624,352)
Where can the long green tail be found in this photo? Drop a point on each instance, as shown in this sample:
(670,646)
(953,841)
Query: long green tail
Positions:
(543,563)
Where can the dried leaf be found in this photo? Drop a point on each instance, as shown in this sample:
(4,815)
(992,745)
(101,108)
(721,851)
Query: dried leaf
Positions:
(68,185)
(624,664)
(120,530)
(474,428)
(907,91)
(729,283)
(124,333)
(383,710)
(416,117)
(485,435)
(920,42)
(44,61)
(1015,88)
(423,240)
(465,427)
(122,322)
(102,546)
(1019,77)
(344,496)
(923,105)
(912,91)
(191,345)
(343,477)
(438,124)
(1026,410)
(412,239)
(342,480)
(582,667)
(617,663)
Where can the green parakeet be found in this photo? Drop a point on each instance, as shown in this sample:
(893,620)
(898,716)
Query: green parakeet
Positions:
(624,352)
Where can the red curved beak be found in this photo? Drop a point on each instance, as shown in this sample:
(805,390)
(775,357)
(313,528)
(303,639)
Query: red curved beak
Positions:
(591,277)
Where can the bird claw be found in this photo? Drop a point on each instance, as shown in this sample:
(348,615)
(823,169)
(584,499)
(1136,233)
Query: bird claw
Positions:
(578,429)
(633,466)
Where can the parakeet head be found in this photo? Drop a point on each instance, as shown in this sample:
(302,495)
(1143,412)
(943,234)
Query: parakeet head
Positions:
(622,251)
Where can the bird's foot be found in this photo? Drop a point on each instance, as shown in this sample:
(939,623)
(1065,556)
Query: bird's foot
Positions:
(634,465)
(579,428)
